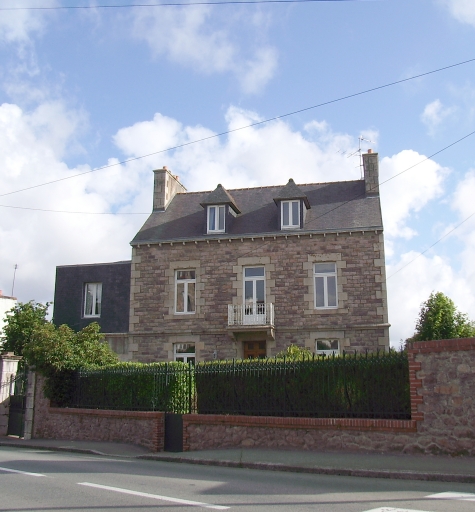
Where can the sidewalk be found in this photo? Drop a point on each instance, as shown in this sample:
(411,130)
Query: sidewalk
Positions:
(374,465)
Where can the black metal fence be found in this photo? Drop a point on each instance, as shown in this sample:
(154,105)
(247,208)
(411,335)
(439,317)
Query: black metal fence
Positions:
(167,387)
(356,386)
(350,386)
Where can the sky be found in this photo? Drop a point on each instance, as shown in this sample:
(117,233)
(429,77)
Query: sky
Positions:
(104,92)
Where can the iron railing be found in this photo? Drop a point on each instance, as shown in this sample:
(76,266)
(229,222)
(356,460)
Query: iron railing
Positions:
(350,386)
(251,314)
(167,387)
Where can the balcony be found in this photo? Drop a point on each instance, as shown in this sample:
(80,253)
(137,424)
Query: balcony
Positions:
(251,318)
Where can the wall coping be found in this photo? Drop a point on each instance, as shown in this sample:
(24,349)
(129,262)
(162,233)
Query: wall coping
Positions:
(106,413)
(452,345)
(302,423)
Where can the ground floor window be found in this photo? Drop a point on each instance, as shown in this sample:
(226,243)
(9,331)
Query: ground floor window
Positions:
(255,350)
(327,347)
(184,352)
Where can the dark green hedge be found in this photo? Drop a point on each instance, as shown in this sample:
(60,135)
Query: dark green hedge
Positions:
(126,386)
(362,386)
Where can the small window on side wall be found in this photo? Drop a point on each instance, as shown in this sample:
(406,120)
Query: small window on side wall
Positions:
(290,214)
(216,219)
(92,300)
(325,286)
(327,347)
(185,291)
(184,352)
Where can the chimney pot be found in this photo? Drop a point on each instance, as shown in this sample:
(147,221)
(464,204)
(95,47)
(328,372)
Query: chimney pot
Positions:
(370,151)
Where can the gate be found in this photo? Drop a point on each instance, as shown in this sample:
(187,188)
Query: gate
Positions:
(16,416)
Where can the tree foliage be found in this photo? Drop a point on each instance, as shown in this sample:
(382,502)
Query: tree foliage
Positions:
(54,351)
(439,319)
(295,353)
(22,321)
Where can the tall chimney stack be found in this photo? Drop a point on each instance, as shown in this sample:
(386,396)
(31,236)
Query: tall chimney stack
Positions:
(165,188)
(371,173)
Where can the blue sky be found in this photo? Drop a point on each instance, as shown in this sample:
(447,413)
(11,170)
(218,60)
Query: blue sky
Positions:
(81,89)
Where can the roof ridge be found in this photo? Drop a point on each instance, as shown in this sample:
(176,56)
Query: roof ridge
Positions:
(272,186)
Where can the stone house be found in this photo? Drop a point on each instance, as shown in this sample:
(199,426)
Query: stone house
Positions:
(246,272)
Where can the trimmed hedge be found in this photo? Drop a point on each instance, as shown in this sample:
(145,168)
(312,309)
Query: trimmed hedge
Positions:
(360,386)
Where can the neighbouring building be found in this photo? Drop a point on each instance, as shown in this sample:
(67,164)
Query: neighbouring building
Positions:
(6,304)
(95,293)
(242,273)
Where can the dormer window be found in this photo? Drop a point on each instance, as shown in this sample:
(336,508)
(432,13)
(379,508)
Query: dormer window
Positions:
(290,214)
(216,219)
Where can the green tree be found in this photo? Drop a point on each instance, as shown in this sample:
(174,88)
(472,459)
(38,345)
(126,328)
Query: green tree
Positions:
(22,321)
(439,319)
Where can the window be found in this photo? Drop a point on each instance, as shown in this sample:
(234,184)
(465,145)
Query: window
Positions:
(92,299)
(325,285)
(184,352)
(290,214)
(185,291)
(327,347)
(254,295)
(216,219)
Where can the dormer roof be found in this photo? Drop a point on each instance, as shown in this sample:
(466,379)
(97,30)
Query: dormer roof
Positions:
(292,191)
(220,196)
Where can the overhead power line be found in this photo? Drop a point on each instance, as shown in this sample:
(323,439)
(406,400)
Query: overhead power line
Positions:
(257,123)
(170,4)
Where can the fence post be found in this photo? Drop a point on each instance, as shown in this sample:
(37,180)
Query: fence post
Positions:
(30,404)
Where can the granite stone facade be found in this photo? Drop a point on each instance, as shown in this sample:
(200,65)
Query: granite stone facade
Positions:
(359,321)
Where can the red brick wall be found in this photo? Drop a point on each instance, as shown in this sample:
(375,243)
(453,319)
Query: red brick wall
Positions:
(132,427)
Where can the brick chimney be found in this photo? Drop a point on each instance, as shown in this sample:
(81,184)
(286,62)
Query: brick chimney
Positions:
(165,188)
(371,173)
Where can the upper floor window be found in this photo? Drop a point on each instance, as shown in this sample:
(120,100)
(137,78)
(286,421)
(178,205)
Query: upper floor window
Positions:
(290,214)
(185,291)
(216,218)
(92,299)
(325,285)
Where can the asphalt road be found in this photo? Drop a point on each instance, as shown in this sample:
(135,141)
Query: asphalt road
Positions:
(34,480)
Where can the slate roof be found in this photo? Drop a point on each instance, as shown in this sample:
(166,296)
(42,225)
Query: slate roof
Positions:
(338,206)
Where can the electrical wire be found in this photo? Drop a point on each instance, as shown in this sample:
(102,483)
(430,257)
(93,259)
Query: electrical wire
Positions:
(257,123)
(170,4)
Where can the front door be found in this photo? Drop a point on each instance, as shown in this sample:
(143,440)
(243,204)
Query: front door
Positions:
(254,296)
(254,350)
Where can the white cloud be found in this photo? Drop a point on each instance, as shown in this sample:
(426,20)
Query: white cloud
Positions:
(262,155)
(192,37)
(410,287)
(434,113)
(461,10)
(31,147)
(408,193)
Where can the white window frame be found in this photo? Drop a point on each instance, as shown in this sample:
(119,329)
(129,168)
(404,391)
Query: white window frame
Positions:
(293,222)
(186,283)
(96,304)
(325,275)
(185,352)
(333,347)
(254,312)
(219,219)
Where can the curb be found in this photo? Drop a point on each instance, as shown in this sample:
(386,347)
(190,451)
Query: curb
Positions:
(269,466)
(365,473)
